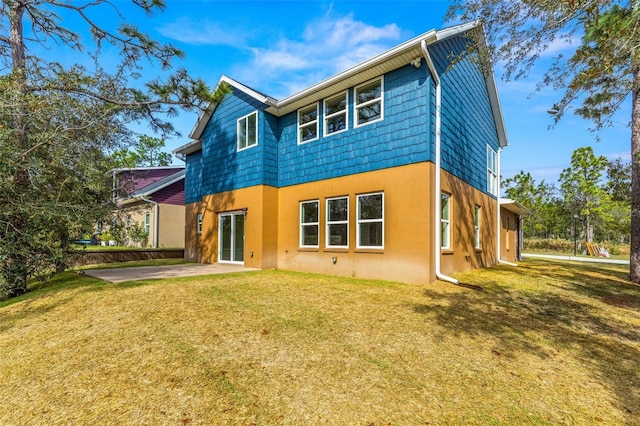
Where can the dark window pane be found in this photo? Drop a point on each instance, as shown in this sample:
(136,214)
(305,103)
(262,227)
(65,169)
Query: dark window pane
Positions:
(370,207)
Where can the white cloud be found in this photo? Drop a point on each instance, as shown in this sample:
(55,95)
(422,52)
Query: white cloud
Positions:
(327,46)
(563,43)
(201,33)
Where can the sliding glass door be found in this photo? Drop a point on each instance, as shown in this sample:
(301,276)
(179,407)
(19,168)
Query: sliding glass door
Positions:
(231,237)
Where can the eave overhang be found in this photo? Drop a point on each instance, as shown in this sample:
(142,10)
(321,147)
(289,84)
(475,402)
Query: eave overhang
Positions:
(394,58)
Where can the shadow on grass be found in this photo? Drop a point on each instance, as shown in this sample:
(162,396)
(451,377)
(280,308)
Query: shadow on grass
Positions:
(542,307)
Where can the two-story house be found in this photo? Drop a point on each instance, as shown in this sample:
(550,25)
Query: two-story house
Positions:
(389,169)
(154,198)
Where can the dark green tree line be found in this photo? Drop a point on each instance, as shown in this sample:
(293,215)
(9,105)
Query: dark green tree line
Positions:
(57,122)
(600,74)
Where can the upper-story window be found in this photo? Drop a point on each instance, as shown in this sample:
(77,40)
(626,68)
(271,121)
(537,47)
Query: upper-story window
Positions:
(248,131)
(335,114)
(308,124)
(368,102)
(492,171)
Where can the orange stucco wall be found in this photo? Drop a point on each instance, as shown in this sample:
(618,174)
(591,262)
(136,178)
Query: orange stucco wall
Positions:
(272,226)
(407,222)
(463,255)
(508,235)
(261,226)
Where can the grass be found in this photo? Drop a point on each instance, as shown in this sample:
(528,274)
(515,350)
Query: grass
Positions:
(543,343)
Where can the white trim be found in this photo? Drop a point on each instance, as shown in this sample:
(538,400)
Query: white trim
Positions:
(199,224)
(335,114)
(357,106)
(492,173)
(335,222)
(308,124)
(361,221)
(446,221)
(232,249)
(246,117)
(301,224)
(477,220)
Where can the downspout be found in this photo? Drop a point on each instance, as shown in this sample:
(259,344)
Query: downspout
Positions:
(438,200)
(498,216)
(156,222)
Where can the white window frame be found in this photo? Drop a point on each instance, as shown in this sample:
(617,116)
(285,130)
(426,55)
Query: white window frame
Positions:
(360,221)
(357,107)
(199,224)
(246,131)
(302,126)
(305,224)
(147,223)
(445,221)
(336,222)
(492,172)
(345,111)
(477,210)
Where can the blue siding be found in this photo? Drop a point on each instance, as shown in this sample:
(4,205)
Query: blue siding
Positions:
(193,191)
(467,119)
(224,168)
(404,136)
(401,138)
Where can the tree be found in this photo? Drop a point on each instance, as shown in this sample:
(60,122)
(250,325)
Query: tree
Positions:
(581,185)
(57,121)
(148,153)
(619,180)
(602,72)
(539,198)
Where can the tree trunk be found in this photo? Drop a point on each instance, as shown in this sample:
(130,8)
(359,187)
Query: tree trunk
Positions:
(635,177)
(15,269)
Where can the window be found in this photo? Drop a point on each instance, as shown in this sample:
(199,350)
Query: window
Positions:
(492,173)
(309,224)
(248,131)
(199,226)
(308,124)
(338,222)
(445,221)
(476,226)
(369,106)
(147,223)
(370,230)
(335,114)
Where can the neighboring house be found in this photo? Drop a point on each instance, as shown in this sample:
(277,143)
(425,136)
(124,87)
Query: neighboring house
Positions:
(387,170)
(153,197)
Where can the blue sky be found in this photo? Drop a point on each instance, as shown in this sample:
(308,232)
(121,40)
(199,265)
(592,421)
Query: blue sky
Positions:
(281,47)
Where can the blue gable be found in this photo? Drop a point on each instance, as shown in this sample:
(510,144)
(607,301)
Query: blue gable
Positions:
(468,124)
(224,168)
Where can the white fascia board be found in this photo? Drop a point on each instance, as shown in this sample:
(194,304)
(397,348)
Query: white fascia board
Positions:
(204,118)
(414,44)
(133,169)
(494,99)
(514,207)
(188,148)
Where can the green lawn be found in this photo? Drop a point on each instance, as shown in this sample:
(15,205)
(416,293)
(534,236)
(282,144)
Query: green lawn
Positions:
(543,343)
